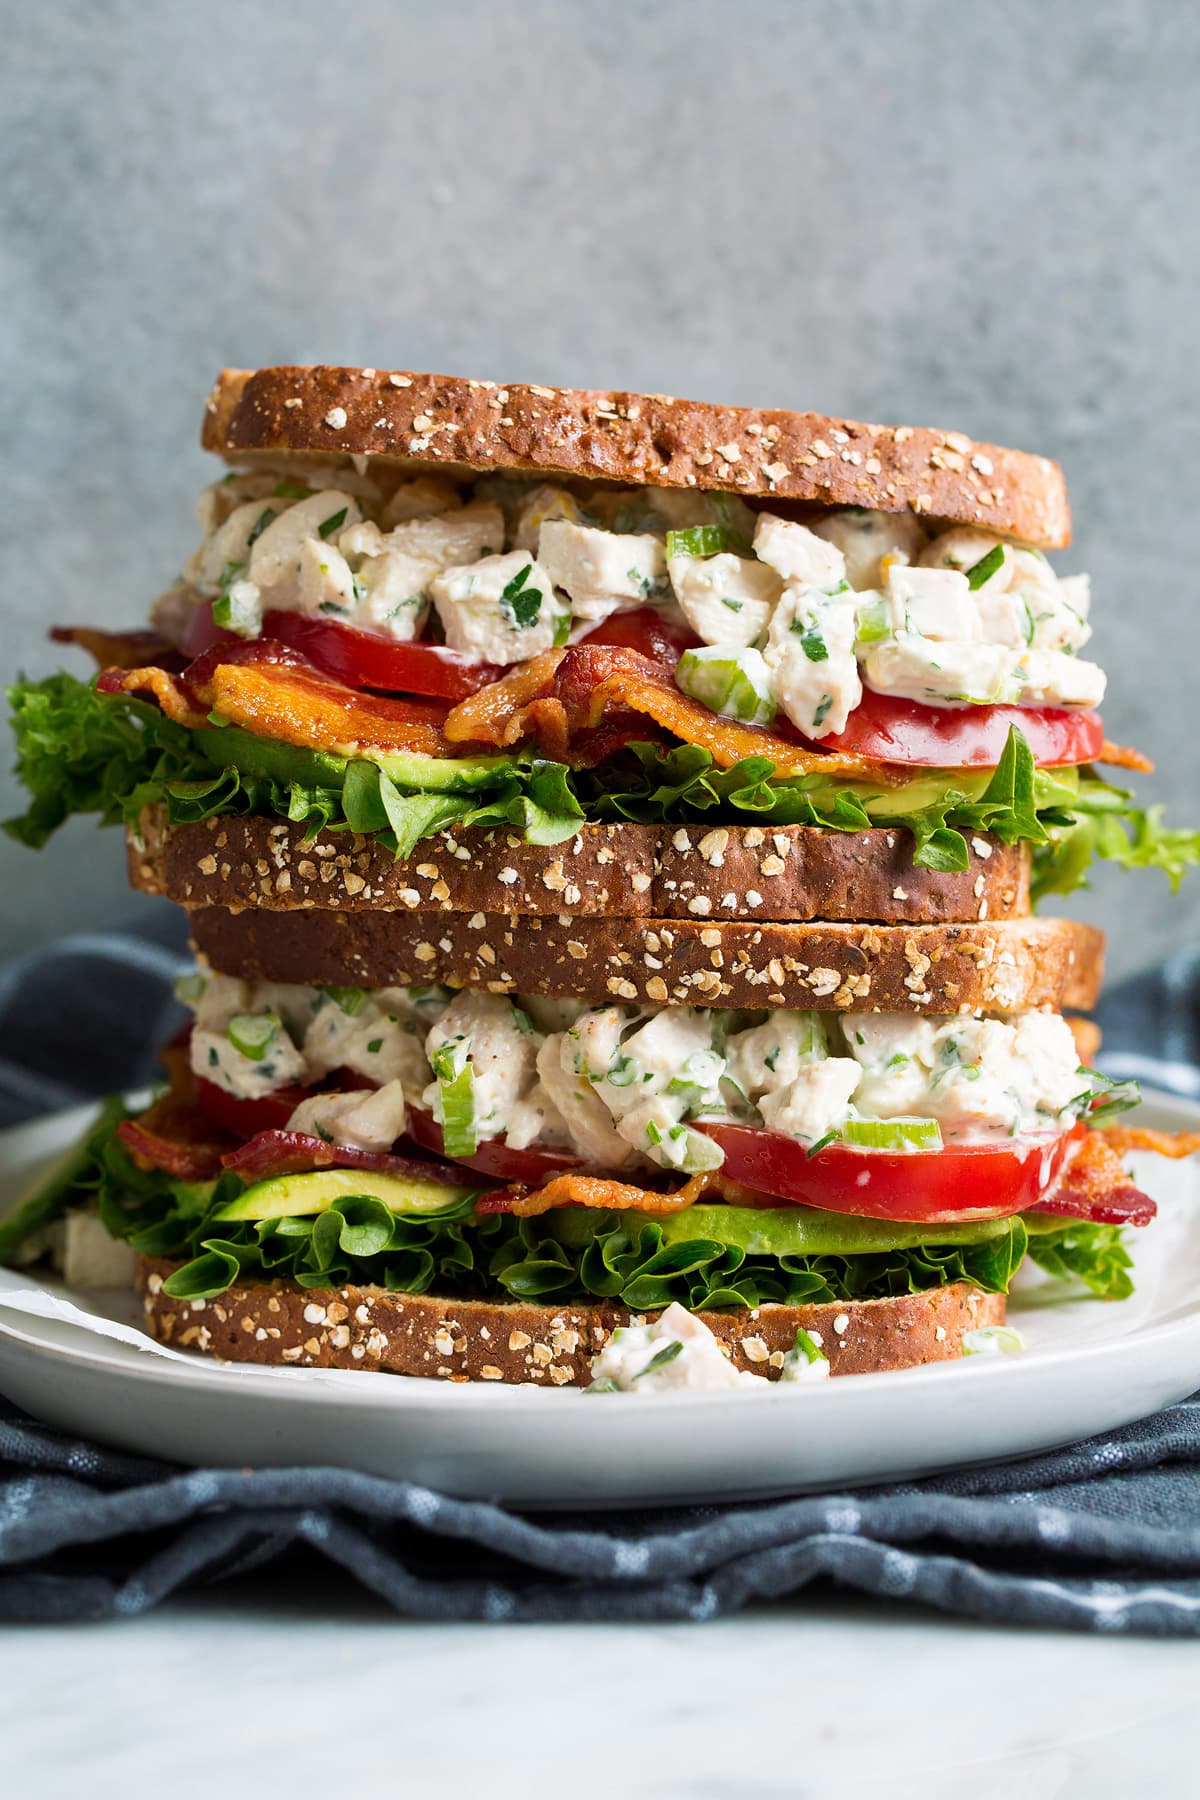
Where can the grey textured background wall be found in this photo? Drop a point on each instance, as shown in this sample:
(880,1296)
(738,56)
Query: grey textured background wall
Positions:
(981,217)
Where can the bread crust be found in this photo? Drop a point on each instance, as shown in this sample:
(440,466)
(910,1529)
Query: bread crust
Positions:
(512,1341)
(609,871)
(1010,966)
(466,426)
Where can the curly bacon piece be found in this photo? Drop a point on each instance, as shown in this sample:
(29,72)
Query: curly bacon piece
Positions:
(591,1190)
(171,691)
(176,1137)
(562,693)
(295,704)
(272,691)
(1118,757)
(619,1196)
(503,713)
(1124,1138)
(118,649)
(1094,1186)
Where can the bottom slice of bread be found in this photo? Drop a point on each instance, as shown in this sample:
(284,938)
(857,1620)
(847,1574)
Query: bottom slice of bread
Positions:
(486,1340)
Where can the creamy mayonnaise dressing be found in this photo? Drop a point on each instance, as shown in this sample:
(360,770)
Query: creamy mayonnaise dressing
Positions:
(675,1352)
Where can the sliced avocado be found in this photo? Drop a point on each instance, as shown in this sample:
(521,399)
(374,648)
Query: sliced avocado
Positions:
(228,746)
(298,1196)
(782,1231)
(440,774)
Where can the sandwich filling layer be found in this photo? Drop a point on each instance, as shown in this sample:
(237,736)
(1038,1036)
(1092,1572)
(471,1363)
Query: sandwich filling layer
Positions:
(393,654)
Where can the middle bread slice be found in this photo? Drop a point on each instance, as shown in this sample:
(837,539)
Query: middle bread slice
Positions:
(622,870)
(1006,966)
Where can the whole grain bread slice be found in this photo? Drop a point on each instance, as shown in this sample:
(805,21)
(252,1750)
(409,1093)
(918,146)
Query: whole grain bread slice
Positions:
(463,426)
(514,1341)
(1009,966)
(625,870)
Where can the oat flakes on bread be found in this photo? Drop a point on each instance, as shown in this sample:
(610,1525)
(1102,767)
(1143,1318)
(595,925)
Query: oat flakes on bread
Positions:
(514,1341)
(1012,966)
(463,426)
(797,872)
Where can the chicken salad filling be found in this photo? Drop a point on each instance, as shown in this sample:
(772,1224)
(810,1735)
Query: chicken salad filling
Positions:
(626,1088)
(794,618)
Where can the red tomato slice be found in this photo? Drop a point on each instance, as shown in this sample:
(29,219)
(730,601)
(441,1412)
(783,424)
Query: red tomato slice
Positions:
(647,631)
(246,1118)
(965,737)
(960,1182)
(530,1167)
(359,658)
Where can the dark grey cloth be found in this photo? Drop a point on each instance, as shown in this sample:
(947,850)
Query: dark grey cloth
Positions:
(1101,1536)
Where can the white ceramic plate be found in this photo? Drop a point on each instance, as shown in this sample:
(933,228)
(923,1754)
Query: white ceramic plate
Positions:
(1089,1367)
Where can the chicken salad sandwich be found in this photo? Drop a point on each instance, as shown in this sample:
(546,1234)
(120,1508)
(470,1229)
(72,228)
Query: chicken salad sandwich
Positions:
(609,828)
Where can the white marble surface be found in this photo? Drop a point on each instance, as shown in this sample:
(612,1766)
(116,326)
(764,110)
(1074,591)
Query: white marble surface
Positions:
(250,1692)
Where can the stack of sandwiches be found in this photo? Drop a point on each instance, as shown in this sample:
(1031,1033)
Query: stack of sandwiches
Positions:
(609,828)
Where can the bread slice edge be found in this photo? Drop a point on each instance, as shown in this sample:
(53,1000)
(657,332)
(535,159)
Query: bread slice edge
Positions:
(464,427)
(424,1335)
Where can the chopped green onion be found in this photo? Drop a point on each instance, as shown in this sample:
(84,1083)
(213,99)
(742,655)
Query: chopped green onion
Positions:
(623,1071)
(451,1065)
(333,523)
(811,1036)
(660,1359)
(804,1353)
(985,568)
(698,540)
(290,490)
(826,701)
(189,988)
(260,525)
(892,1134)
(734,683)
(874,620)
(252,1034)
(350,999)
(238,611)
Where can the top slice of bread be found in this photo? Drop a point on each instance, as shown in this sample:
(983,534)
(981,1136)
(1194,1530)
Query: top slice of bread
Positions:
(463,426)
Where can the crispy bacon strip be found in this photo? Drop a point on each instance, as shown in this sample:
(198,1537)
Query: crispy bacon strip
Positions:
(562,693)
(296,1152)
(297,705)
(273,692)
(118,649)
(1094,1186)
(503,713)
(1124,1138)
(619,1196)
(175,698)
(582,1190)
(177,1138)
(1121,758)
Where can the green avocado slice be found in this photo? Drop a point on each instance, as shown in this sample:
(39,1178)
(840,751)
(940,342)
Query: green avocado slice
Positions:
(300,1196)
(229,746)
(782,1231)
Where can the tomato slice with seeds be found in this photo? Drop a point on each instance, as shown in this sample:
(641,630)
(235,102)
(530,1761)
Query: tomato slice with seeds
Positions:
(956,1184)
(965,737)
